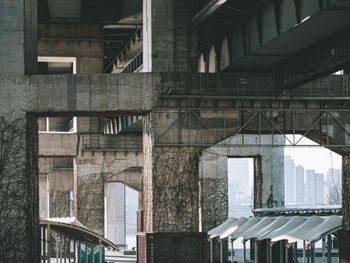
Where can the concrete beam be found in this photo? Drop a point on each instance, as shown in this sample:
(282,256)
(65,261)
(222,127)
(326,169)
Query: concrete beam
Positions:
(134,93)
(57,144)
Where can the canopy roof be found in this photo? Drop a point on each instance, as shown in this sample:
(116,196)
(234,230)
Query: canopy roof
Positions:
(71,227)
(219,230)
(292,229)
(231,228)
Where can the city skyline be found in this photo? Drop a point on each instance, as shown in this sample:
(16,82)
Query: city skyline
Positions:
(310,187)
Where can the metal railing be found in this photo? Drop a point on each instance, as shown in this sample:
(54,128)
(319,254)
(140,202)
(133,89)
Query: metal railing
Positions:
(248,85)
(217,84)
(109,142)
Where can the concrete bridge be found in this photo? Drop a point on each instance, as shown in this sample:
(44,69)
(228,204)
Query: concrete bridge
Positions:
(184,111)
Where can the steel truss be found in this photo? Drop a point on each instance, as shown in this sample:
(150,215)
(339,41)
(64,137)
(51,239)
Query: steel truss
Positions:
(229,127)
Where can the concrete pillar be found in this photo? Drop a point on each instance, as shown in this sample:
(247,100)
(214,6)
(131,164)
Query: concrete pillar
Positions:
(171,198)
(18,22)
(166,34)
(344,234)
(115,212)
(19,204)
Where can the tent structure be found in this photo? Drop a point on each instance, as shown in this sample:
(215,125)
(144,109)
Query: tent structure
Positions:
(217,231)
(309,229)
(231,228)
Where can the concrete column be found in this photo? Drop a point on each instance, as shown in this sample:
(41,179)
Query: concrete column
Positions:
(166,34)
(171,197)
(344,234)
(115,212)
(19,205)
(18,22)
(19,196)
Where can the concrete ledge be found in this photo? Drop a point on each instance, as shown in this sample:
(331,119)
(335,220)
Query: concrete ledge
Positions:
(57,144)
(134,93)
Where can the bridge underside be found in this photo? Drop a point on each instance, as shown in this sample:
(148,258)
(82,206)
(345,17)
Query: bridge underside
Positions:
(184,112)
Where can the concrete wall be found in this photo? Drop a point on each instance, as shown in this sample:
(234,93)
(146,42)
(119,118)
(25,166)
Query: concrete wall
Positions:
(93,170)
(84,42)
(55,188)
(166,35)
(58,144)
(89,93)
(214,177)
(115,228)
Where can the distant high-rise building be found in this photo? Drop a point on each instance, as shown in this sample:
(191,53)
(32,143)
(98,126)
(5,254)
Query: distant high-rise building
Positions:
(299,185)
(310,189)
(319,194)
(289,180)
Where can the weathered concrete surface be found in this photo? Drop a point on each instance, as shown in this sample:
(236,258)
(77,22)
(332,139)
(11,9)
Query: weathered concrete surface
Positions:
(18,189)
(115,228)
(56,186)
(166,36)
(214,177)
(57,144)
(346,193)
(18,22)
(84,42)
(93,170)
(170,185)
(19,212)
(91,93)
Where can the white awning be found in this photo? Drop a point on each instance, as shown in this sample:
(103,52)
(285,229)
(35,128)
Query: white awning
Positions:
(250,233)
(331,224)
(240,221)
(217,231)
(300,233)
(246,226)
(292,229)
(293,223)
(278,222)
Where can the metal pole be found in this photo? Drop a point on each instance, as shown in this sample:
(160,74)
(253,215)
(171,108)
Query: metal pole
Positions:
(69,247)
(79,252)
(60,249)
(65,249)
(211,250)
(287,252)
(100,250)
(329,249)
(304,252)
(92,253)
(75,251)
(232,249)
(86,252)
(56,248)
(256,253)
(295,252)
(48,243)
(244,252)
(312,253)
(270,251)
(221,252)
(323,250)
(44,243)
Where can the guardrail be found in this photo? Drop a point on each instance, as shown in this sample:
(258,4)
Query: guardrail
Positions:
(111,142)
(248,85)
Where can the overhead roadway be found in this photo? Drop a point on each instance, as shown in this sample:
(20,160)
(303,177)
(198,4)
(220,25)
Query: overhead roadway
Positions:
(259,34)
(121,19)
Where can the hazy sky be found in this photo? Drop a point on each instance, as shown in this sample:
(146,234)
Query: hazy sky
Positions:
(314,158)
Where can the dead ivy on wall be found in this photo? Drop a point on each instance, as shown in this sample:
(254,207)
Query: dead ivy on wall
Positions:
(90,201)
(215,202)
(13,190)
(175,190)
